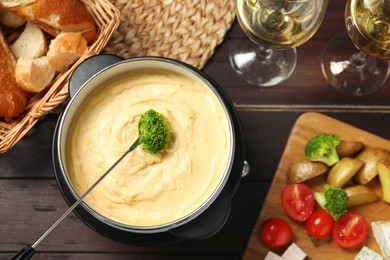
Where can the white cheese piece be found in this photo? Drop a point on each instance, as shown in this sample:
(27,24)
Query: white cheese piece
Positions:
(381,230)
(293,252)
(367,254)
(272,256)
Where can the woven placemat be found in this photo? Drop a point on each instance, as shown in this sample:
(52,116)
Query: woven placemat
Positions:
(186,30)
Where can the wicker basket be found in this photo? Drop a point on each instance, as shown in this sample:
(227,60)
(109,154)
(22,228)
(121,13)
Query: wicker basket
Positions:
(106,17)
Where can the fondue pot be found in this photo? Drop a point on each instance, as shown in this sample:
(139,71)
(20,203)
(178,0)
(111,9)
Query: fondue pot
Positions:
(206,220)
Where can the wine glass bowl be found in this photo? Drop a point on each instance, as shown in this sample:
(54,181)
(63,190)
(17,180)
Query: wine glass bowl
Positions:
(280,24)
(276,27)
(368,25)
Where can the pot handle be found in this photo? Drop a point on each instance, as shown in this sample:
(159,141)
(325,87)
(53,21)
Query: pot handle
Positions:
(209,222)
(88,68)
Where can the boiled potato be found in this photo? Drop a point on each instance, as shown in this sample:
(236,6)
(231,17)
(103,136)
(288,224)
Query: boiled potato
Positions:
(304,169)
(349,148)
(384,177)
(370,157)
(343,171)
(360,195)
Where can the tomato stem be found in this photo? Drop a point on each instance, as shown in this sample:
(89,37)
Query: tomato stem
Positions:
(257,230)
(313,239)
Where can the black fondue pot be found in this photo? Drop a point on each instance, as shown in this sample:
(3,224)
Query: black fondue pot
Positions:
(205,221)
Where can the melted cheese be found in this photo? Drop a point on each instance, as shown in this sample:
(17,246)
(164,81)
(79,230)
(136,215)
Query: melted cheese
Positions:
(146,189)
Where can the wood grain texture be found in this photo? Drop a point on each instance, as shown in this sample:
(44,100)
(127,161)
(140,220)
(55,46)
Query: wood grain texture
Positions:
(30,207)
(30,200)
(306,127)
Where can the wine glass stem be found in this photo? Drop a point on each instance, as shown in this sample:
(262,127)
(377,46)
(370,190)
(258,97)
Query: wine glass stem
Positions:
(358,61)
(264,54)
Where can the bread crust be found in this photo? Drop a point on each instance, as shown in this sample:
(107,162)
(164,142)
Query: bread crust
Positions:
(65,49)
(13,99)
(55,16)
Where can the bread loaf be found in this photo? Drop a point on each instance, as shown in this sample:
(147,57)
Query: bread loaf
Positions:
(65,49)
(13,99)
(33,75)
(10,19)
(55,16)
(32,43)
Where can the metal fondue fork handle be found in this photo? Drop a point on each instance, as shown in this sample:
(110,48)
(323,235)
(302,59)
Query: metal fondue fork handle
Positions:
(29,250)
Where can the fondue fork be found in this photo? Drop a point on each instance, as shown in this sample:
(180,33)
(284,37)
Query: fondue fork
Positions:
(154,136)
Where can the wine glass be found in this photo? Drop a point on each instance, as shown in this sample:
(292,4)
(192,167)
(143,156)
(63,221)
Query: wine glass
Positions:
(276,27)
(361,71)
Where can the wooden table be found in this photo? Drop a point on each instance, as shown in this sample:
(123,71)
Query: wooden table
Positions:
(30,201)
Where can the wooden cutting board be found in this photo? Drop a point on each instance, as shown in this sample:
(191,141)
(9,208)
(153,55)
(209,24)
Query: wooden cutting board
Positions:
(306,127)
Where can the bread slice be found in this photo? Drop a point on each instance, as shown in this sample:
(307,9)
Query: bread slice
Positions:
(10,19)
(65,49)
(55,16)
(32,43)
(33,75)
(13,99)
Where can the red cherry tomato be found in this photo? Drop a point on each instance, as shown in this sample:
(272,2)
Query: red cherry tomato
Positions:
(320,224)
(350,230)
(298,201)
(275,232)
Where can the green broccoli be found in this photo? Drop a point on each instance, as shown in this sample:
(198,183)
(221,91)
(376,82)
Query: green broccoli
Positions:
(154,131)
(333,199)
(322,148)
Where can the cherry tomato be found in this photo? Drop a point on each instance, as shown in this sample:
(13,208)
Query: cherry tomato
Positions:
(320,224)
(350,230)
(298,201)
(275,232)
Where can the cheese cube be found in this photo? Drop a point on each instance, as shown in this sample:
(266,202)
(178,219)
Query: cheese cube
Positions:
(381,230)
(367,254)
(293,252)
(272,256)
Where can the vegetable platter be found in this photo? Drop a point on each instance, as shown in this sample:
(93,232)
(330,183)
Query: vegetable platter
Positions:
(306,127)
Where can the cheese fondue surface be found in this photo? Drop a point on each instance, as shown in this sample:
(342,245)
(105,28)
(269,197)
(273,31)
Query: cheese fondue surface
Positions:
(149,189)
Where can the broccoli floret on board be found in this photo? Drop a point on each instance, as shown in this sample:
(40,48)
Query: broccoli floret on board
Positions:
(333,200)
(322,148)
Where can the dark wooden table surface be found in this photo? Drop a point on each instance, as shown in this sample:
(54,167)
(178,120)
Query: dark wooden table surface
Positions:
(30,201)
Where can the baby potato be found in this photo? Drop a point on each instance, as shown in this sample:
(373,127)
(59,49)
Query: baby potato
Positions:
(304,169)
(384,177)
(360,195)
(371,157)
(349,148)
(343,171)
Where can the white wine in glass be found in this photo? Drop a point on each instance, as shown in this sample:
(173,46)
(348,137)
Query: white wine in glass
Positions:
(276,27)
(363,70)
(368,25)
